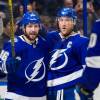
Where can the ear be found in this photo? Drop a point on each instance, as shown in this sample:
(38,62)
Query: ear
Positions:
(23,29)
(41,26)
(74,22)
(57,19)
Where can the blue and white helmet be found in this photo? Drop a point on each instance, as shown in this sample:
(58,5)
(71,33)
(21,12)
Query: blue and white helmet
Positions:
(30,17)
(69,12)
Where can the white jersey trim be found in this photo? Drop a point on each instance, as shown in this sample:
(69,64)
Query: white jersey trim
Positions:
(60,95)
(14,96)
(65,79)
(93,62)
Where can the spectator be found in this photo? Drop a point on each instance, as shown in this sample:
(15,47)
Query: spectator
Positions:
(20,10)
(30,7)
(68,3)
(2,15)
(91,15)
(1,25)
(6,32)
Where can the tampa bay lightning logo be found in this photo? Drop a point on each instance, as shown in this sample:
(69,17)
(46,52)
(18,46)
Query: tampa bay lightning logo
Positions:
(35,75)
(58,53)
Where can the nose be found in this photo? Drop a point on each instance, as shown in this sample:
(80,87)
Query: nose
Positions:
(32,28)
(62,22)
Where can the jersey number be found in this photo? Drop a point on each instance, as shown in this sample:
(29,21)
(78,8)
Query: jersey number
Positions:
(93,39)
(4,55)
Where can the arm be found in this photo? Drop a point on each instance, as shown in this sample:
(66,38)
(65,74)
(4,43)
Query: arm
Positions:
(80,50)
(8,63)
(2,74)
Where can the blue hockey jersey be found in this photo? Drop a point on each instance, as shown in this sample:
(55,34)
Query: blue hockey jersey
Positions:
(67,58)
(91,76)
(30,76)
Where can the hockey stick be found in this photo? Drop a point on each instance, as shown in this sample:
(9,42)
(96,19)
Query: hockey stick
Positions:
(11,27)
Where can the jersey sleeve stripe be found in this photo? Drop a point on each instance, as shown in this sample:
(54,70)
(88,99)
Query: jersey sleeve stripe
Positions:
(65,79)
(93,62)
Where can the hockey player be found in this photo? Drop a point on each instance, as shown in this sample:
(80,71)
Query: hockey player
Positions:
(27,71)
(67,57)
(91,79)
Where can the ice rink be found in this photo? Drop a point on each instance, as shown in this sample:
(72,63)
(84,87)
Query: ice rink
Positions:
(97,93)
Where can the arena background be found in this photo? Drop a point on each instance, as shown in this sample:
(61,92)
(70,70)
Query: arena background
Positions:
(86,17)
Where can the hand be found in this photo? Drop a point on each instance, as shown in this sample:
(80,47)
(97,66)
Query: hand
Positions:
(84,93)
(2,75)
(12,65)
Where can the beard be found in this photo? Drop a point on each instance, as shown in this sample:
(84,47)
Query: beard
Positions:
(31,36)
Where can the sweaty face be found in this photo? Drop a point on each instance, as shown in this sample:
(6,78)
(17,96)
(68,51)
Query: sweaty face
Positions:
(66,25)
(32,31)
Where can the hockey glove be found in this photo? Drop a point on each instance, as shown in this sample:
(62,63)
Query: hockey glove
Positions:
(2,75)
(88,95)
(12,65)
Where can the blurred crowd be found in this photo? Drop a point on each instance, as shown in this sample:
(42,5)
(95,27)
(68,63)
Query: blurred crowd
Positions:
(47,10)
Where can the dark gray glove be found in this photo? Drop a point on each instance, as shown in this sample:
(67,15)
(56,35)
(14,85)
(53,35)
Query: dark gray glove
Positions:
(87,94)
(12,65)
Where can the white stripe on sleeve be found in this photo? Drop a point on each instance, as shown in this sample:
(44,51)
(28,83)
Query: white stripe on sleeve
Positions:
(93,62)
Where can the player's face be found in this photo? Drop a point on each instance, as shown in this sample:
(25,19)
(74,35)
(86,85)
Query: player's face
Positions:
(66,25)
(32,31)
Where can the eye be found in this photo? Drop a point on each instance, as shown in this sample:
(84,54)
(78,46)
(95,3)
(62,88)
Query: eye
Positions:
(36,25)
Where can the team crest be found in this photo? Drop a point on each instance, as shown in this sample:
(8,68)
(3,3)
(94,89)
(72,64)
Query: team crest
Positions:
(35,71)
(60,53)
